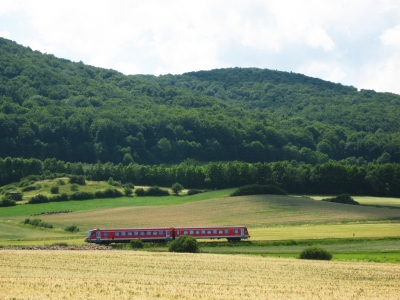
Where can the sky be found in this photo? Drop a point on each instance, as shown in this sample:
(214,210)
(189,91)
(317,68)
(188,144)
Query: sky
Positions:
(352,42)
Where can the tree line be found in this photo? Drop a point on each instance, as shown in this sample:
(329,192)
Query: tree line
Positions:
(299,178)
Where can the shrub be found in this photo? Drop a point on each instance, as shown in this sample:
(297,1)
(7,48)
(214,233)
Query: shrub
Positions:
(139,192)
(60,182)
(59,198)
(343,198)
(72,228)
(315,253)
(74,187)
(258,189)
(108,193)
(78,179)
(194,192)
(136,244)
(127,191)
(28,188)
(54,189)
(184,243)
(39,198)
(7,202)
(38,223)
(81,196)
(156,191)
(130,185)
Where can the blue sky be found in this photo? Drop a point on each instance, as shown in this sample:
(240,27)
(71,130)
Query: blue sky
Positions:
(354,42)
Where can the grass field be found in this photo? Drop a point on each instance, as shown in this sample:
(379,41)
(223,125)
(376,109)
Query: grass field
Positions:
(144,275)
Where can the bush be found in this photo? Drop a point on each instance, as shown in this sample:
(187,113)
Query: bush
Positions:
(74,187)
(315,253)
(7,202)
(54,189)
(156,191)
(136,244)
(39,198)
(72,228)
(127,191)
(194,192)
(108,193)
(60,182)
(28,188)
(81,196)
(38,223)
(78,179)
(59,198)
(343,198)
(139,192)
(258,189)
(184,243)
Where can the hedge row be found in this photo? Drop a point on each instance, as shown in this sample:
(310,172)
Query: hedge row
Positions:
(108,193)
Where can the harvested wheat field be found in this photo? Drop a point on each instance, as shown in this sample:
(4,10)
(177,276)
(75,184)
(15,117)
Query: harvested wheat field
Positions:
(111,274)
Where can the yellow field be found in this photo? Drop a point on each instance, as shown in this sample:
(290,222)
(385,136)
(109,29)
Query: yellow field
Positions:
(366,200)
(143,275)
(326,231)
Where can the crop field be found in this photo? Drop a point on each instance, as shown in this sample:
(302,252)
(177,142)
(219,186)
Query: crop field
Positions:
(252,211)
(366,200)
(143,275)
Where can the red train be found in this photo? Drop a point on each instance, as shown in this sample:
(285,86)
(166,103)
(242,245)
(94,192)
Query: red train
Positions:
(124,235)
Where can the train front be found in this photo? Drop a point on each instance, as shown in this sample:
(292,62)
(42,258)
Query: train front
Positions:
(88,238)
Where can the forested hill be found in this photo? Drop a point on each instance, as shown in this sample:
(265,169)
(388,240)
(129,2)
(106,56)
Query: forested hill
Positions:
(51,107)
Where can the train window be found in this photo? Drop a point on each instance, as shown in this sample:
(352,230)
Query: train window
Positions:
(136,233)
(220,231)
(178,232)
(142,233)
(130,233)
(185,232)
(148,233)
(161,232)
(155,232)
(197,231)
(123,233)
(105,233)
(191,231)
(215,231)
(203,232)
(226,231)
(236,231)
(116,233)
(209,231)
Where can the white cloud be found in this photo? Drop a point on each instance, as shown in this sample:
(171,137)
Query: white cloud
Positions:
(337,40)
(5,34)
(327,71)
(391,37)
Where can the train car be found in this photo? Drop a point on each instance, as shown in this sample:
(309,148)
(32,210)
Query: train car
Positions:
(162,234)
(125,235)
(231,233)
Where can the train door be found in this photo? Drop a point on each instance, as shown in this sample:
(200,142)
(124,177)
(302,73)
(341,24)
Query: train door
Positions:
(97,236)
(168,235)
(242,232)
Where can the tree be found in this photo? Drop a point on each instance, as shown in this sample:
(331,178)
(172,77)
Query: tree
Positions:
(177,188)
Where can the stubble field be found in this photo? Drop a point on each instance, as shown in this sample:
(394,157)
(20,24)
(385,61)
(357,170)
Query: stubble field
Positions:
(143,275)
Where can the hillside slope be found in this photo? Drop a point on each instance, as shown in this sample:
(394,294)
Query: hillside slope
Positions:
(51,107)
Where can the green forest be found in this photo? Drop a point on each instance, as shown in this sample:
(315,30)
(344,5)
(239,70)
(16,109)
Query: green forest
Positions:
(53,109)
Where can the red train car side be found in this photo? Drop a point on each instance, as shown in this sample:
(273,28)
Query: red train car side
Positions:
(231,233)
(163,234)
(125,235)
